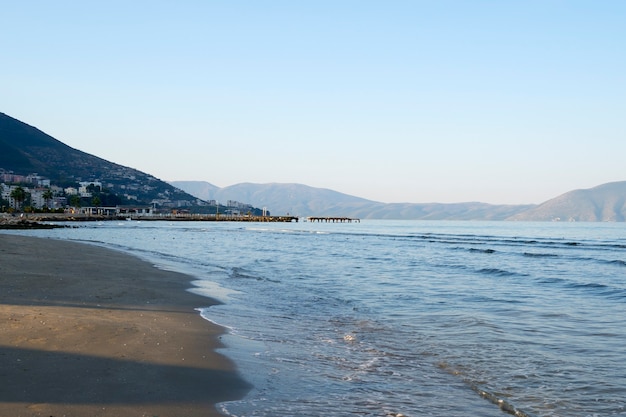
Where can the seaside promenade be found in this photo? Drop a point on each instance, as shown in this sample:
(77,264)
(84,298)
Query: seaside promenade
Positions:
(43,220)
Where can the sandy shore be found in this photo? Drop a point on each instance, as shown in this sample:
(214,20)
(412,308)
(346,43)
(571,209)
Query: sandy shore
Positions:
(87,331)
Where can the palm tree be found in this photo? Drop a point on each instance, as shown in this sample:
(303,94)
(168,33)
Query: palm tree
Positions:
(47,196)
(95,202)
(18,195)
(1,199)
(75,201)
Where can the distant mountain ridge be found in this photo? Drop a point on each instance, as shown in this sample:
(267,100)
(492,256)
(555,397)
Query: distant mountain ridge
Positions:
(602,203)
(303,200)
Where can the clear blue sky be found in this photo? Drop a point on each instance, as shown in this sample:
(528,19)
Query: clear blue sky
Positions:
(395,101)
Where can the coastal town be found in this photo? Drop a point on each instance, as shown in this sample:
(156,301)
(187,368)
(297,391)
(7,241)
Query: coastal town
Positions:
(28,200)
(33,192)
(25,199)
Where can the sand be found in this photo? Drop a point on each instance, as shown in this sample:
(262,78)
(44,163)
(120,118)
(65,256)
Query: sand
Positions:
(88,331)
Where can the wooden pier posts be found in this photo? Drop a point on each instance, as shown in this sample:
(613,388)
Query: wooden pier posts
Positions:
(333,219)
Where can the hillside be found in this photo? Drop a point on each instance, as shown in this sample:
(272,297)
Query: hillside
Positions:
(604,203)
(303,200)
(25,149)
(296,199)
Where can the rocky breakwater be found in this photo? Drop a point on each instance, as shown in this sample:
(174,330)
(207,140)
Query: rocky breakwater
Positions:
(9,221)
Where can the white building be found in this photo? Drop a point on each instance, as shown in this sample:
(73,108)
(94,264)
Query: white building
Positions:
(71,191)
(36,197)
(6,193)
(83,187)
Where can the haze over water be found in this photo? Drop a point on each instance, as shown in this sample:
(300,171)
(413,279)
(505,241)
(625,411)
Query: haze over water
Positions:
(383,318)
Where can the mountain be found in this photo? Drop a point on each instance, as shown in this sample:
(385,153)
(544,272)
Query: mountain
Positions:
(303,200)
(295,199)
(25,150)
(200,189)
(604,203)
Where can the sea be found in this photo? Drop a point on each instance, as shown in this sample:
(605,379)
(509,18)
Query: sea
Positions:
(404,318)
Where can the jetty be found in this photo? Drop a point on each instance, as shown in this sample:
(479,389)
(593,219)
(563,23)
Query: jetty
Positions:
(87,217)
(213,218)
(333,219)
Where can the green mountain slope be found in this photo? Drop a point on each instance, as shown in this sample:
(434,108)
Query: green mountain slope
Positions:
(25,149)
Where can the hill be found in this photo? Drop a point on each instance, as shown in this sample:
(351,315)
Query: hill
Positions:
(303,200)
(25,149)
(604,203)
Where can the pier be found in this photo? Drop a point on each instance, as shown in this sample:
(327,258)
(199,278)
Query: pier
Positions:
(215,218)
(81,217)
(333,219)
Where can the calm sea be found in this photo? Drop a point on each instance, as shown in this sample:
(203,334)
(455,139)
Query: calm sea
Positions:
(389,318)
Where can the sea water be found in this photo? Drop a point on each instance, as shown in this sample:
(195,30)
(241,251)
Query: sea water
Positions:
(389,318)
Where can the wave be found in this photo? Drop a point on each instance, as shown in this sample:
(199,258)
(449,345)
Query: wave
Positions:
(482,250)
(601,290)
(493,398)
(552,245)
(491,244)
(589,285)
(499,272)
(589,288)
(540,255)
(501,403)
(240,273)
(514,241)
(615,262)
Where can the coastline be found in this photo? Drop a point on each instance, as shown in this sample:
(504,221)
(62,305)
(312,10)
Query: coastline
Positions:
(88,331)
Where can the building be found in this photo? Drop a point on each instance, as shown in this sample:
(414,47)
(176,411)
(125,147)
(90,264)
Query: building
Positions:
(7,190)
(37,199)
(85,186)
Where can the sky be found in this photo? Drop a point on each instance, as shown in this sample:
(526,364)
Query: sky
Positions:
(502,102)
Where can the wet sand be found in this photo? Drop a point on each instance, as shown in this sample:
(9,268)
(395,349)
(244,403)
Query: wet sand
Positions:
(88,331)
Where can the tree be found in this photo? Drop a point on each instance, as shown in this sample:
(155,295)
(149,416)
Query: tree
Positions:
(75,201)
(107,198)
(2,201)
(18,195)
(47,196)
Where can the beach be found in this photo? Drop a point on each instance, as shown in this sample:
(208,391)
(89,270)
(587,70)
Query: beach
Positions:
(89,331)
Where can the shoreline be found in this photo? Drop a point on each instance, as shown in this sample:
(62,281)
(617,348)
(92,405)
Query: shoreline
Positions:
(10,221)
(89,331)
